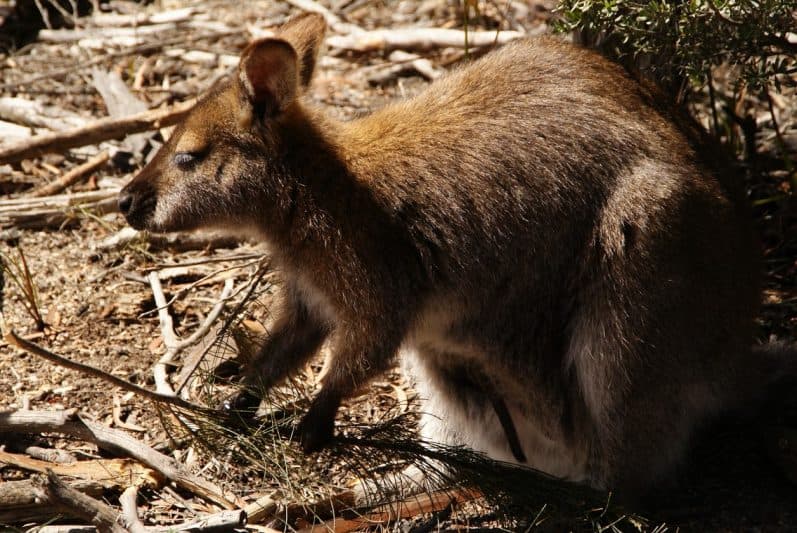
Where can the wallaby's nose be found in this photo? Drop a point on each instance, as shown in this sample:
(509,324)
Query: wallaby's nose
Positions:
(125,202)
(136,202)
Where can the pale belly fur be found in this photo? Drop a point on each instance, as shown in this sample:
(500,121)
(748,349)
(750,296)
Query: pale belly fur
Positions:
(447,419)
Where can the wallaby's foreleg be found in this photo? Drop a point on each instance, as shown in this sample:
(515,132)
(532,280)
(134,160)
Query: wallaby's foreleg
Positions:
(295,337)
(355,361)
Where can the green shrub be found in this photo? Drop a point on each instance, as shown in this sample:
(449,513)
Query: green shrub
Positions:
(687,39)
(725,58)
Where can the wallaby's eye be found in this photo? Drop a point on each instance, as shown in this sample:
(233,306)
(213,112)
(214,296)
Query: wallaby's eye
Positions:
(185,160)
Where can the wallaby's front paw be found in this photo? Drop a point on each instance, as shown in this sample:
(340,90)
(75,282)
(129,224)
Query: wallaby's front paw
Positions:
(242,402)
(316,430)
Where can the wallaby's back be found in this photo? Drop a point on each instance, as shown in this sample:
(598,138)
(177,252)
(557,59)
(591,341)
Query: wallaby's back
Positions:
(582,257)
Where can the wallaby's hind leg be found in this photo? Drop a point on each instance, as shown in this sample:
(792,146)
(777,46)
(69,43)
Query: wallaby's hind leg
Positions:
(657,421)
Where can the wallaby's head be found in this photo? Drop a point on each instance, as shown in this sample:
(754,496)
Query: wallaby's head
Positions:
(216,164)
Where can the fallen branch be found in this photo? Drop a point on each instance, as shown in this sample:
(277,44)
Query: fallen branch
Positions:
(11,132)
(66,529)
(110,473)
(421,39)
(103,129)
(72,176)
(55,211)
(208,59)
(22,493)
(52,455)
(29,494)
(114,441)
(26,514)
(416,505)
(179,242)
(54,218)
(214,523)
(404,62)
(142,19)
(64,35)
(58,201)
(35,114)
(331,19)
(261,509)
(78,504)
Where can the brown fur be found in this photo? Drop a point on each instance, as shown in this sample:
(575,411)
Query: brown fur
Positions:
(534,226)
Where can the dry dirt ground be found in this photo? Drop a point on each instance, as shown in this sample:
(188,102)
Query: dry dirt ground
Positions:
(98,306)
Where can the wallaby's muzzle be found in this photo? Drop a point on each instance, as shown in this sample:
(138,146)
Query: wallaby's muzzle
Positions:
(137,201)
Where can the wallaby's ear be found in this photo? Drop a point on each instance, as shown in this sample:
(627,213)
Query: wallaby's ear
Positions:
(268,74)
(305,33)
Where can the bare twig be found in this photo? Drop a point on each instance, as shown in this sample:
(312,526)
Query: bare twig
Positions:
(194,359)
(260,257)
(142,19)
(403,62)
(72,176)
(12,338)
(101,130)
(129,510)
(117,417)
(173,344)
(115,441)
(53,455)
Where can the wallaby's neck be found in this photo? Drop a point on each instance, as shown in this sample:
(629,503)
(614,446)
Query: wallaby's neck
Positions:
(312,143)
(326,187)
(321,148)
